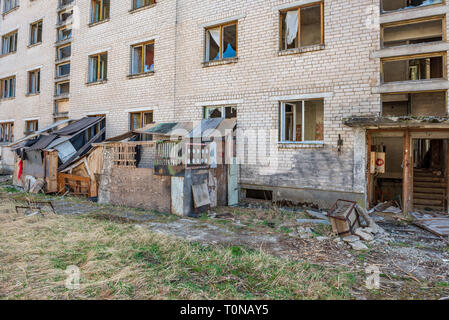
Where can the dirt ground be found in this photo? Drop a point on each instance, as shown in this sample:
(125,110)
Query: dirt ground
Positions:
(414,264)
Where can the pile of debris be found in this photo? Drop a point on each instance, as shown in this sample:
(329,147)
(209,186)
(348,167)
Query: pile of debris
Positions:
(353,224)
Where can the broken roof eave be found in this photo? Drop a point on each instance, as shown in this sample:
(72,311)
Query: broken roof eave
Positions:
(397,122)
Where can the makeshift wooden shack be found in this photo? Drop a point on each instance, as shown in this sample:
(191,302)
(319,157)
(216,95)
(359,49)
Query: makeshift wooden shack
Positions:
(42,156)
(184,168)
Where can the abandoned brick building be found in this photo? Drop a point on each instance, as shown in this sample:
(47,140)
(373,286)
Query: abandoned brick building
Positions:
(333,99)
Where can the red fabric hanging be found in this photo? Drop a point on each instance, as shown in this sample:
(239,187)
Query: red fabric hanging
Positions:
(19,173)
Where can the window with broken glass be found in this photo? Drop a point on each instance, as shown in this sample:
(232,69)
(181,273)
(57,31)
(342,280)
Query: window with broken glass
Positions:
(9,43)
(302,27)
(142,58)
(8,87)
(36,33)
(225,112)
(64,33)
(98,67)
(64,52)
(34,82)
(99,10)
(221,42)
(302,121)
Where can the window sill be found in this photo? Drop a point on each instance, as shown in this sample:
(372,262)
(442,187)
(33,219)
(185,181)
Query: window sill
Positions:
(66,59)
(220,62)
(34,45)
(316,47)
(3,144)
(140,75)
(10,10)
(7,54)
(93,24)
(67,6)
(96,83)
(142,8)
(7,99)
(62,78)
(62,96)
(63,42)
(32,94)
(300,145)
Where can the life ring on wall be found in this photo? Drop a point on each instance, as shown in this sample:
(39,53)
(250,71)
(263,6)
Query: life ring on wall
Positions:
(380,162)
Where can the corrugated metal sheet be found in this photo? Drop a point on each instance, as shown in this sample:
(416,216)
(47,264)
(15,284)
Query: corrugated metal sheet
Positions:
(65,151)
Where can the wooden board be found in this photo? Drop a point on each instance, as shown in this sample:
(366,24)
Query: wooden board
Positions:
(438,226)
(200,195)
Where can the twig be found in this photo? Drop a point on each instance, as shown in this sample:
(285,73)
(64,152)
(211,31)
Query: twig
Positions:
(407,273)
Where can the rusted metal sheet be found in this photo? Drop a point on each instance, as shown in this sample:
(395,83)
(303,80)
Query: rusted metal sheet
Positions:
(177,195)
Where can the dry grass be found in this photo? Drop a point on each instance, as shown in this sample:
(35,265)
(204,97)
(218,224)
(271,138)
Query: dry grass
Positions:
(124,261)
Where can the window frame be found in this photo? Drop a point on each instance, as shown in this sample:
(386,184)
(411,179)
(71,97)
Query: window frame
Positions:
(443,2)
(410,22)
(14,34)
(10,131)
(321,3)
(58,50)
(34,123)
(443,56)
(223,110)
(58,66)
(222,26)
(36,24)
(8,88)
(141,118)
(134,4)
(281,136)
(143,45)
(102,11)
(16,4)
(98,57)
(36,80)
(62,29)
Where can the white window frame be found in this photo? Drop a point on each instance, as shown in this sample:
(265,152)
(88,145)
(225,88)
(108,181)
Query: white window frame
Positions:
(223,110)
(303,127)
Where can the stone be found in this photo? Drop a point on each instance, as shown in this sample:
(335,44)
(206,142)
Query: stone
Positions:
(322,238)
(313,221)
(364,235)
(350,239)
(358,246)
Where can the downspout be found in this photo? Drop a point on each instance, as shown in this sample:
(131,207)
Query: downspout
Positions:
(175,60)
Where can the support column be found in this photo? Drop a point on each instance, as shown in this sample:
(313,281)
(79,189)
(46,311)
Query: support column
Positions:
(407,175)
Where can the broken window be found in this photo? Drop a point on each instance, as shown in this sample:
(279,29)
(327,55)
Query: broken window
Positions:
(64,33)
(8,87)
(302,121)
(405,33)
(395,5)
(36,33)
(99,10)
(225,112)
(9,43)
(9,5)
(31,126)
(98,67)
(94,130)
(6,132)
(64,52)
(302,27)
(65,16)
(61,107)
(414,104)
(142,3)
(34,81)
(221,42)
(62,88)
(142,58)
(422,67)
(63,69)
